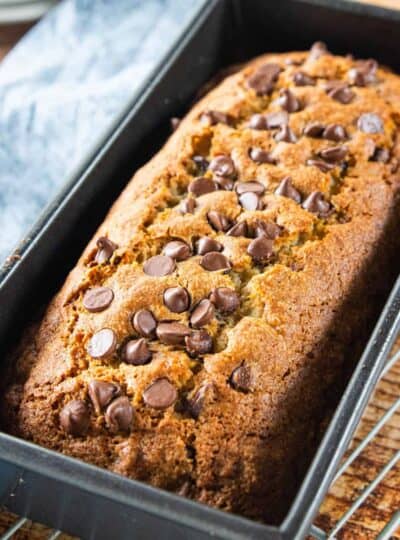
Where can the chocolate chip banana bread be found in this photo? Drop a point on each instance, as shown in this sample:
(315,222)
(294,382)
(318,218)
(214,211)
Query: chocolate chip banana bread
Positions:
(200,340)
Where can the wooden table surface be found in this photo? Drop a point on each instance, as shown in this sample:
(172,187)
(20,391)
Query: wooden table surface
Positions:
(372,516)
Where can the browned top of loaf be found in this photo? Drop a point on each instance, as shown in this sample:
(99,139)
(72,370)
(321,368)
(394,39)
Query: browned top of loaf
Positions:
(224,447)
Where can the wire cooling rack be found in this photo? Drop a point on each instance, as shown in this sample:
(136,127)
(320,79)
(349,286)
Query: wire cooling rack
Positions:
(337,528)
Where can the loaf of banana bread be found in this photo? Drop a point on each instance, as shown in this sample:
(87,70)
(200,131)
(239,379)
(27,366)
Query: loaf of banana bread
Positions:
(200,340)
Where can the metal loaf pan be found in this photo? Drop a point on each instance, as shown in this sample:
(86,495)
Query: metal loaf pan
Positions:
(87,501)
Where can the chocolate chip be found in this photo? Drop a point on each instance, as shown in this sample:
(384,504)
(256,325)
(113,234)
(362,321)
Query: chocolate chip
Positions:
(175,121)
(288,101)
(224,183)
(224,299)
(302,79)
(102,393)
(198,343)
(260,249)
(205,245)
(177,299)
(254,186)
(161,394)
(136,352)
(339,92)
(98,299)
(188,206)
(268,229)
(119,415)
(263,79)
(218,221)
(202,314)
(277,119)
(102,343)
(364,73)
(381,154)
(75,418)
(196,403)
(105,249)
(334,154)
(214,117)
(258,121)
(314,129)
(222,166)
(144,323)
(159,265)
(201,163)
(177,250)
(370,123)
(250,201)
(317,50)
(241,378)
(316,204)
(285,134)
(213,261)
(172,333)
(239,229)
(202,186)
(323,166)
(286,189)
(334,132)
(261,156)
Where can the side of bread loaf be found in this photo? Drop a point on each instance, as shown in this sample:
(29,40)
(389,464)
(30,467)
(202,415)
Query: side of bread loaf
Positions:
(197,342)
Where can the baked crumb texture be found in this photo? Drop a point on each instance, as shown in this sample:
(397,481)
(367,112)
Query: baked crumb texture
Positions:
(199,340)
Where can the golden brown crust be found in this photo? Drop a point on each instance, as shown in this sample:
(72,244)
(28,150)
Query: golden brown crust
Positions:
(301,315)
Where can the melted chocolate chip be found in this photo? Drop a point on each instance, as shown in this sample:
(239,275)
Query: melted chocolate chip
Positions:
(277,119)
(136,352)
(314,129)
(224,183)
(196,403)
(246,187)
(215,117)
(119,415)
(102,393)
(144,323)
(285,134)
(370,123)
(177,250)
(199,343)
(241,379)
(258,121)
(302,79)
(161,394)
(323,166)
(260,249)
(102,343)
(286,189)
(250,201)
(335,154)
(288,101)
(262,81)
(268,229)
(364,73)
(202,314)
(188,206)
(201,186)
(340,92)
(172,333)
(222,166)
(201,163)
(334,132)
(261,156)
(381,154)
(224,299)
(317,50)
(75,418)
(177,299)
(105,249)
(159,265)
(316,204)
(239,229)
(214,261)
(98,299)
(205,245)
(218,221)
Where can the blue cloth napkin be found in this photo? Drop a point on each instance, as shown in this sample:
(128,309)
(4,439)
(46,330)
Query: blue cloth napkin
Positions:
(63,84)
